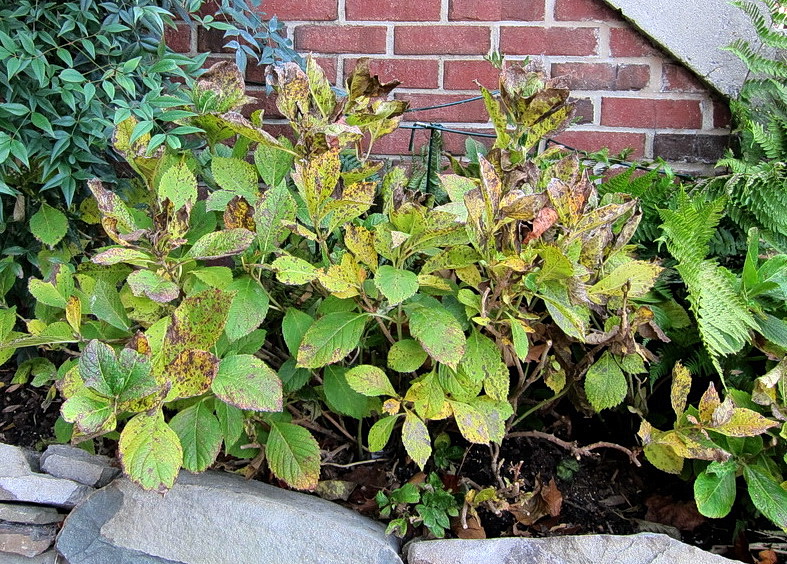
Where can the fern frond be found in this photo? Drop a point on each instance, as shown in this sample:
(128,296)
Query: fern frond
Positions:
(755,62)
(688,228)
(765,28)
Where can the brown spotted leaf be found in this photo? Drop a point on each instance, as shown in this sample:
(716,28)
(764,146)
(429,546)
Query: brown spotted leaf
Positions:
(248,383)
(154,286)
(224,88)
(681,385)
(191,374)
(708,403)
(744,423)
(218,244)
(239,215)
(360,242)
(197,323)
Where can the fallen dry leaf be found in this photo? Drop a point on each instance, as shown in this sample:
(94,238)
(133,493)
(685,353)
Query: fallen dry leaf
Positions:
(474,528)
(766,557)
(682,515)
(553,498)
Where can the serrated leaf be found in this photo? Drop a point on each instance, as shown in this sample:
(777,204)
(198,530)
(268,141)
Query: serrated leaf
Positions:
(744,423)
(275,207)
(406,356)
(715,492)
(46,293)
(396,284)
(220,244)
(681,386)
(273,164)
(200,436)
(471,422)
(191,373)
(116,255)
(437,330)
(91,413)
(605,383)
(481,358)
(415,437)
(155,287)
(519,338)
(248,308)
(230,421)
(197,323)
(497,383)
(380,433)
(342,399)
(150,452)
(293,327)
(179,185)
(48,225)
(125,376)
(293,455)
(294,271)
(248,383)
(235,175)
(106,305)
(768,496)
(369,381)
(330,339)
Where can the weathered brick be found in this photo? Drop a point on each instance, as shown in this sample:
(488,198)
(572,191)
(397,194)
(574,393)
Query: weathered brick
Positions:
(722,117)
(602,76)
(583,10)
(648,113)
(627,42)
(468,112)
(677,78)
(264,102)
(461,75)
(690,147)
(300,10)
(212,41)
(179,38)
(412,73)
(445,40)
(584,110)
(548,41)
(393,10)
(596,140)
(340,39)
(496,10)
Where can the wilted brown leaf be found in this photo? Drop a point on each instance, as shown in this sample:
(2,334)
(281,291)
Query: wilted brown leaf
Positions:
(474,528)
(682,515)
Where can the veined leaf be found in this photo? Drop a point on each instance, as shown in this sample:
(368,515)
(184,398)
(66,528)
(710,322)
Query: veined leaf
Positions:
(681,386)
(406,356)
(744,423)
(714,491)
(437,330)
(396,284)
(125,377)
(191,373)
(236,175)
(220,244)
(605,383)
(293,327)
(90,412)
(294,271)
(369,381)
(342,398)
(471,422)
(519,338)
(275,207)
(415,437)
(248,308)
(293,455)
(197,323)
(768,496)
(156,287)
(248,383)
(106,305)
(48,225)
(150,452)
(200,436)
(179,185)
(330,339)
(380,432)
(273,164)
(230,421)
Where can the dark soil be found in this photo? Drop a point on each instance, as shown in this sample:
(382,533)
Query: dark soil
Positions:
(23,419)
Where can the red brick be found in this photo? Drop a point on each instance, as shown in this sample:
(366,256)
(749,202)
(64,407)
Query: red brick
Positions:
(280,129)
(645,113)
(398,142)
(496,10)
(300,10)
(469,112)
(412,73)
(264,102)
(677,78)
(583,10)
(627,42)
(602,76)
(393,10)
(690,148)
(454,143)
(721,114)
(597,140)
(461,75)
(179,38)
(212,41)
(340,39)
(548,41)
(445,40)
(584,110)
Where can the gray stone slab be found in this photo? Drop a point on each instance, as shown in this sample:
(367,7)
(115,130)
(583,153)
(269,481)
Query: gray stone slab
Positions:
(26,540)
(20,482)
(66,461)
(643,548)
(48,557)
(694,32)
(216,517)
(29,514)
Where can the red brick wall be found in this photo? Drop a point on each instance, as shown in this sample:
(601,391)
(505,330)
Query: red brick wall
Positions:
(630,93)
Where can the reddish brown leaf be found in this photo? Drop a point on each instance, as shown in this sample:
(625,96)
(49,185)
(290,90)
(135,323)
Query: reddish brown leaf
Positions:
(545,219)
(474,528)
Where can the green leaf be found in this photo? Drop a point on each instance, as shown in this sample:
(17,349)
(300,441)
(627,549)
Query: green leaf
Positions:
(48,225)
(370,381)
(481,358)
(230,421)
(197,323)
(437,330)
(519,337)
(273,164)
(156,287)
(191,373)
(220,244)
(406,356)
(46,293)
(248,308)
(715,491)
(380,433)
(415,437)
(179,185)
(200,436)
(116,255)
(294,271)
(330,339)
(292,377)
(91,413)
(106,305)
(293,327)
(236,175)
(274,207)
(150,452)
(248,383)
(637,275)
(605,383)
(342,398)
(396,284)
(125,377)
(71,75)
(768,496)
(293,455)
